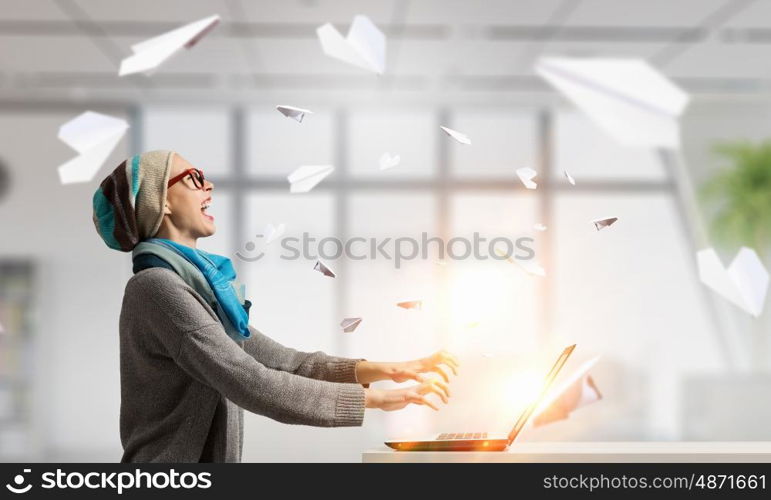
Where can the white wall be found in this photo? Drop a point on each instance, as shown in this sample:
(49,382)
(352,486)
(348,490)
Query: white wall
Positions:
(80,287)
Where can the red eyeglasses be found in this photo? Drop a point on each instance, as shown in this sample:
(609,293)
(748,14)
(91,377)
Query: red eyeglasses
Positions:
(195,174)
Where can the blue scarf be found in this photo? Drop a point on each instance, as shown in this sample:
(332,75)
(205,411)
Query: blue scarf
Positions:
(219,274)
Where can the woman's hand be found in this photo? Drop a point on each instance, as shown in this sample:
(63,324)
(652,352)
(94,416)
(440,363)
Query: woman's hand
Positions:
(367,372)
(396,399)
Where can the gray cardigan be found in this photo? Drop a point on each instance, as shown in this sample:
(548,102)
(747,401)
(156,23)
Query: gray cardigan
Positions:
(184,382)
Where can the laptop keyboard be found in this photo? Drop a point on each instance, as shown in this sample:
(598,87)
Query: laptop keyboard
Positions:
(447,436)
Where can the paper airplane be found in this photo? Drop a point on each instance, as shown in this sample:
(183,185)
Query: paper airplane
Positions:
(306,177)
(272,232)
(350,324)
(296,113)
(150,54)
(627,98)
(2,329)
(462,138)
(323,269)
(365,45)
(570,179)
(601,223)
(578,390)
(487,354)
(539,227)
(529,266)
(526,175)
(387,161)
(93,136)
(411,304)
(744,283)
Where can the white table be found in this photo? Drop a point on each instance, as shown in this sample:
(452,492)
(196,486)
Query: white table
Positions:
(583,452)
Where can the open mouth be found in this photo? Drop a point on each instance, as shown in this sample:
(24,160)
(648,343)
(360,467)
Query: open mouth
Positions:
(205,206)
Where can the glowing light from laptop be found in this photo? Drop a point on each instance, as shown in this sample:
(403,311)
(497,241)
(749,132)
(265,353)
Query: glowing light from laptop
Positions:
(477,294)
(521,389)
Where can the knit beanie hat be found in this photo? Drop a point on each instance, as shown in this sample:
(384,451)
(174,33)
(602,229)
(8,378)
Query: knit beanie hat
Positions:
(128,205)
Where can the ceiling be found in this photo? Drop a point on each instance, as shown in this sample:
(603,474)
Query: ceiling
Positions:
(438,49)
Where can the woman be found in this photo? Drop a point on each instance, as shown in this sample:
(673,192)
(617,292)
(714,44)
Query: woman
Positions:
(189,361)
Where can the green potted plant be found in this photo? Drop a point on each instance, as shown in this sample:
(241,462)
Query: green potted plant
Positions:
(738,199)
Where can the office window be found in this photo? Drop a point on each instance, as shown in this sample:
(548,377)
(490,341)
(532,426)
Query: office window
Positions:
(201,135)
(411,134)
(501,142)
(388,331)
(493,302)
(292,303)
(588,153)
(648,327)
(277,145)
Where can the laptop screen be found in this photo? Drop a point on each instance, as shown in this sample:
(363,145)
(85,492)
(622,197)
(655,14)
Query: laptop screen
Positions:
(550,377)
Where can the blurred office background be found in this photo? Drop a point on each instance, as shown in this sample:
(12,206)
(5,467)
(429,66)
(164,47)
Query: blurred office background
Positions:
(678,362)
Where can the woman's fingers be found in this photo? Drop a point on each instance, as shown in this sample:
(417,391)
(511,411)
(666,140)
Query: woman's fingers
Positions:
(452,364)
(441,358)
(432,387)
(414,370)
(449,360)
(414,397)
(435,384)
(398,399)
(443,386)
(438,369)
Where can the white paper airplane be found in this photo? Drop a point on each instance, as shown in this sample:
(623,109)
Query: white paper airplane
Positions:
(387,161)
(576,391)
(323,269)
(150,54)
(529,265)
(350,324)
(365,45)
(411,304)
(601,223)
(295,113)
(458,136)
(570,179)
(526,175)
(744,283)
(306,177)
(629,99)
(539,227)
(93,136)
(272,232)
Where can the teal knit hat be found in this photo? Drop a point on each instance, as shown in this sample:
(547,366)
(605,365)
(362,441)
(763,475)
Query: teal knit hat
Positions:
(128,205)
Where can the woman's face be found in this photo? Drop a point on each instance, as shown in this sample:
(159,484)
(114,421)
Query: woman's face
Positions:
(186,203)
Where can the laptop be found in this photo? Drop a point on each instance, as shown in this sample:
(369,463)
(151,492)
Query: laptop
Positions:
(482,441)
